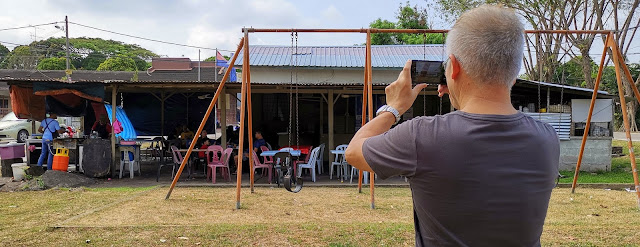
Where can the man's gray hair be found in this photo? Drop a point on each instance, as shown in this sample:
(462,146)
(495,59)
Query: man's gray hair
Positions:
(489,43)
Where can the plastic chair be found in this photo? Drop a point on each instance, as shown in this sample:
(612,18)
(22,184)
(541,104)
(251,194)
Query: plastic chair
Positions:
(130,155)
(340,162)
(305,161)
(320,159)
(266,159)
(257,164)
(215,161)
(365,175)
(311,164)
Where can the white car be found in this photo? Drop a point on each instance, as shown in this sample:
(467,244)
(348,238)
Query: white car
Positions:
(12,127)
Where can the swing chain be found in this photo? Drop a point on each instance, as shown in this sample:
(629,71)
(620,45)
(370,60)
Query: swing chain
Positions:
(297,104)
(424,91)
(291,90)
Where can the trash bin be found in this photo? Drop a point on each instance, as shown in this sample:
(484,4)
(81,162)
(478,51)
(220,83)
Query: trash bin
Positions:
(18,171)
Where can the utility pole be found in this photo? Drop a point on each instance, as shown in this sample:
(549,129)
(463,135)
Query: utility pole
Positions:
(199,65)
(66,30)
(215,67)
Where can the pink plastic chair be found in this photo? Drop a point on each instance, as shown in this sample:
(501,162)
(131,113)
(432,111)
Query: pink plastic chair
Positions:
(177,159)
(215,159)
(267,159)
(257,164)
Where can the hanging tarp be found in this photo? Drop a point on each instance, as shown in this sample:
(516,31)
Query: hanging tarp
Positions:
(90,91)
(128,132)
(25,104)
(66,105)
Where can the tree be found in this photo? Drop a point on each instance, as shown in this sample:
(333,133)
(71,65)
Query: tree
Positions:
(546,51)
(213,58)
(118,63)
(93,60)
(89,53)
(408,17)
(3,53)
(53,63)
(21,57)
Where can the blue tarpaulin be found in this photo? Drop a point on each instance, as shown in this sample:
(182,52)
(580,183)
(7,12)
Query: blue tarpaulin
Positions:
(128,132)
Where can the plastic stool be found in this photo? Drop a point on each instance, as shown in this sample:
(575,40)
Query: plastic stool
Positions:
(133,164)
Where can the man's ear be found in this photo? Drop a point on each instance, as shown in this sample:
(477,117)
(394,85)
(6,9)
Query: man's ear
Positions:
(455,67)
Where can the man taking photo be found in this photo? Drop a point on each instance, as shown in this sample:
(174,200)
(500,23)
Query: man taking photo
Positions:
(479,176)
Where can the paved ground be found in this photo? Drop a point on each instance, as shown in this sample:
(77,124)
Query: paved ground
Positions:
(635,136)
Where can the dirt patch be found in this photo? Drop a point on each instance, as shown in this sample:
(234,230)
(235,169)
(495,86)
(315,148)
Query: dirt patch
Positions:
(53,179)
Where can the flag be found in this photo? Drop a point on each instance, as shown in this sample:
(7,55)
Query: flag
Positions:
(222,62)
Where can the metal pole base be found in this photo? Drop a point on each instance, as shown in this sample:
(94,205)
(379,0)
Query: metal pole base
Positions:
(238,205)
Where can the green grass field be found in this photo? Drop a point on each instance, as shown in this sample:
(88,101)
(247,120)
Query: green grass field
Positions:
(273,217)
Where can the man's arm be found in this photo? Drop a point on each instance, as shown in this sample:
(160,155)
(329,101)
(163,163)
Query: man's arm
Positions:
(40,129)
(400,96)
(377,126)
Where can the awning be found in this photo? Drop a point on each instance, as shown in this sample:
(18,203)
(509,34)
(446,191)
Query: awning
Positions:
(90,91)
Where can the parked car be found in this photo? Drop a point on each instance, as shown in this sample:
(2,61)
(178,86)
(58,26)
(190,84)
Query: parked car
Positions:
(12,127)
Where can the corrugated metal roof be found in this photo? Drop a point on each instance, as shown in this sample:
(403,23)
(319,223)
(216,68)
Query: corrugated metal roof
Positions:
(383,56)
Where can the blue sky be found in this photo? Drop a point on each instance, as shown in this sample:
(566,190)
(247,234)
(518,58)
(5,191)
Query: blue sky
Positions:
(206,23)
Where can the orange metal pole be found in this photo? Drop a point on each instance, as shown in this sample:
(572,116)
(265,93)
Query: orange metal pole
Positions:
(204,120)
(619,65)
(369,85)
(591,106)
(243,108)
(365,94)
(249,114)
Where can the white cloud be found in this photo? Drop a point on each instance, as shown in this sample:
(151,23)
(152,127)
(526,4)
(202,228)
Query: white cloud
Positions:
(333,14)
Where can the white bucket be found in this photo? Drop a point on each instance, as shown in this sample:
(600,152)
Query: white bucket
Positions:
(18,171)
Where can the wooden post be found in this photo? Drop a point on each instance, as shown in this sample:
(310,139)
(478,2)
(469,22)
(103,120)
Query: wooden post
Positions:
(364,110)
(222,103)
(369,85)
(549,98)
(330,103)
(162,98)
(204,121)
(591,106)
(247,70)
(114,95)
(243,108)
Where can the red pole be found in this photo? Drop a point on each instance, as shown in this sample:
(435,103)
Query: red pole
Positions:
(243,108)
(591,106)
(618,62)
(369,85)
(204,120)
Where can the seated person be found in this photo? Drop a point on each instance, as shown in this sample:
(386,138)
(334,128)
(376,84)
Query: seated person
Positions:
(186,135)
(202,139)
(102,126)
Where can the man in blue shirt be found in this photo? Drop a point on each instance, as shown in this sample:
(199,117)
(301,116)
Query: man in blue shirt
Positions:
(47,127)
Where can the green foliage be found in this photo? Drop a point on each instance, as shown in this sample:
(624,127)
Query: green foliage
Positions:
(93,60)
(53,63)
(213,58)
(3,51)
(85,53)
(408,17)
(118,63)
(22,57)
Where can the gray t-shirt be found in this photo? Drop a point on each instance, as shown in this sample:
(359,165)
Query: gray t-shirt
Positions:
(476,180)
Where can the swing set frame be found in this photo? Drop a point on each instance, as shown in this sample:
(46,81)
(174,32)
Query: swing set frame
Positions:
(367,96)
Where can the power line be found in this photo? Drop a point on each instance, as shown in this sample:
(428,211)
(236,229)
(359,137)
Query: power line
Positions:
(30,26)
(148,39)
